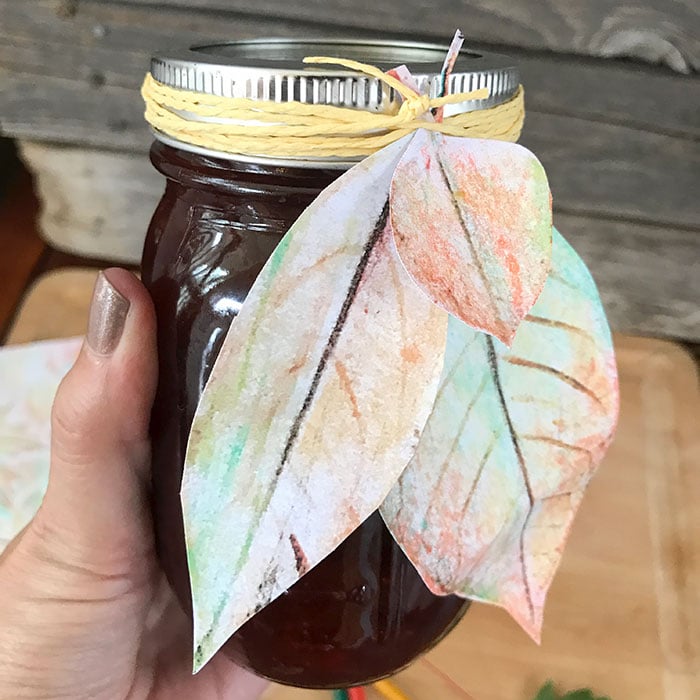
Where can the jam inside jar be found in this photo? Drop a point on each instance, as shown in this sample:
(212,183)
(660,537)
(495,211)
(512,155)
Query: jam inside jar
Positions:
(363,612)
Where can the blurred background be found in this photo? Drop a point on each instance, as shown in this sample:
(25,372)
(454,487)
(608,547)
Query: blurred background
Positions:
(613,112)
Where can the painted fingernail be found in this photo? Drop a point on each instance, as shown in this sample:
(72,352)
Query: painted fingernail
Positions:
(107,317)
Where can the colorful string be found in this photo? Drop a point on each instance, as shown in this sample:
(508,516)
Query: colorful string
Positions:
(356,694)
(350,694)
(385,688)
(389,691)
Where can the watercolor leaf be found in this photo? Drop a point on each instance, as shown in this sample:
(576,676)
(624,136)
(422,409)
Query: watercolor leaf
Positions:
(472,221)
(314,407)
(485,506)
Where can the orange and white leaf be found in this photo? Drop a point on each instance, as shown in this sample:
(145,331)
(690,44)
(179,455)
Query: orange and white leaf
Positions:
(473,225)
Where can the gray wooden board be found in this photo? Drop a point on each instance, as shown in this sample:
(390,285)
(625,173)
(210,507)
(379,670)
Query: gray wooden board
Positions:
(612,170)
(617,140)
(648,276)
(109,43)
(658,30)
(99,203)
(594,167)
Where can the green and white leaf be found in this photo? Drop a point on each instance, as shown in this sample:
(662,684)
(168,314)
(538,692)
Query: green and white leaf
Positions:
(485,506)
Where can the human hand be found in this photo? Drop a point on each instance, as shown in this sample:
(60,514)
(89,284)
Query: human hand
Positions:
(84,608)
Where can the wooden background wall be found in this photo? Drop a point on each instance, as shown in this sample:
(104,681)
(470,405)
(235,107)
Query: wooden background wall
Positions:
(613,100)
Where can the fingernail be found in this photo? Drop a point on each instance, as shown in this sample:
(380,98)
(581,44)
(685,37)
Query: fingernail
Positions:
(107,317)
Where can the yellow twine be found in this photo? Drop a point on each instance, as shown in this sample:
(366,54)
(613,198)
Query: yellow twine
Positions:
(299,130)
(389,691)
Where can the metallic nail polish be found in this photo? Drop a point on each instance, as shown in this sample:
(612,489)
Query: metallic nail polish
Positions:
(107,317)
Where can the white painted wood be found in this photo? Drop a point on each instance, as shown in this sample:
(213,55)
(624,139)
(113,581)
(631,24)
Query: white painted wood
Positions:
(95,204)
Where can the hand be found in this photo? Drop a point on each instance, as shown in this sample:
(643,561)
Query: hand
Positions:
(84,609)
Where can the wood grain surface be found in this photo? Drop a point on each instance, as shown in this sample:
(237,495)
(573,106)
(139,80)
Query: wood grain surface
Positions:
(55,306)
(650,29)
(606,169)
(107,43)
(623,615)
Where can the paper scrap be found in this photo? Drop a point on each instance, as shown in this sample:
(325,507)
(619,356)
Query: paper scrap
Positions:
(29,377)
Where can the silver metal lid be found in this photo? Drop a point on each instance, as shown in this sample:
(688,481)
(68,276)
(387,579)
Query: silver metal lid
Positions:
(272,69)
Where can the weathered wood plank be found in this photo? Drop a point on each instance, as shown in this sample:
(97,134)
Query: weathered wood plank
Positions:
(613,91)
(649,276)
(109,40)
(69,111)
(107,43)
(99,204)
(617,141)
(653,30)
(594,167)
(81,75)
(612,170)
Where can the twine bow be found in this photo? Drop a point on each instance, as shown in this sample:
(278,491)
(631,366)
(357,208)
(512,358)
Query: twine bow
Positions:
(310,131)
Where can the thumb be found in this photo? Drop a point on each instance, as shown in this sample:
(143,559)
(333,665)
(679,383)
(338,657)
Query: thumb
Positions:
(96,502)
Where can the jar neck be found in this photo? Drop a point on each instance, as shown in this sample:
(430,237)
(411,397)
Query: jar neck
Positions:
(223,175)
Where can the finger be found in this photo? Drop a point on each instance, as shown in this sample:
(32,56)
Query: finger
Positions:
(97,489)
(167,649)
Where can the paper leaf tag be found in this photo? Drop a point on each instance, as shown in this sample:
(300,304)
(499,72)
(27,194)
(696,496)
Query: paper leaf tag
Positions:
(472,222)
(314,406)
(485,506)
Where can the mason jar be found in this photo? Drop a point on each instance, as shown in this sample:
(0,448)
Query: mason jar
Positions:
(362,613)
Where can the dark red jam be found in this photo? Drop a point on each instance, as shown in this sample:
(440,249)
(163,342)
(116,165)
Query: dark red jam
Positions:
(362,613)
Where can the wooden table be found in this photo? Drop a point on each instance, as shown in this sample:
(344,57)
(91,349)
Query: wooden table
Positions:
(623,615)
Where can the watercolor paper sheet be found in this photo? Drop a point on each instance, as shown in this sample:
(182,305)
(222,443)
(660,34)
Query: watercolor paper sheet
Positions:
(472,220)
(29,377)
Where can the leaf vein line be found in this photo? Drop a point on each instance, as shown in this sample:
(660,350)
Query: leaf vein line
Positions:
(447,378)
(333,338)
(493,363)
(556,443)
(331,343)
(560,494)
(562,325)
(484,460)
(563,281)
(465,230)
(562,376)
(523,565)
(462,424)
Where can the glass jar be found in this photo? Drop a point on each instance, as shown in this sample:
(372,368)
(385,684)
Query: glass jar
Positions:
(363,612)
